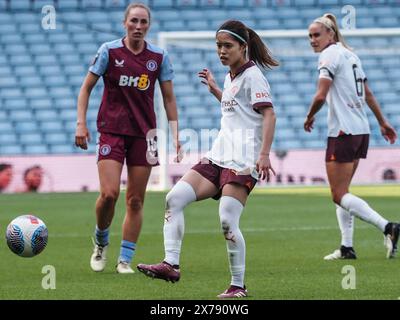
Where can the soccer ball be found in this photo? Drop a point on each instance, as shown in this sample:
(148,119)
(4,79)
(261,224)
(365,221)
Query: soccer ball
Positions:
(27,236)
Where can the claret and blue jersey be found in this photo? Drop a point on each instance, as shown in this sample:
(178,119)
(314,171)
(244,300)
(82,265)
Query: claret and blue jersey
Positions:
(127,106)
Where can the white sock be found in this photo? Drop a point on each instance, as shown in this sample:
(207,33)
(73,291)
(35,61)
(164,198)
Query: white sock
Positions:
(346,225)
(358,207)
(174,224)
(230,210)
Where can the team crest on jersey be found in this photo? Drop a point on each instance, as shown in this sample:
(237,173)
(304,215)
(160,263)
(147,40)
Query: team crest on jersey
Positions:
(234,90)
(105,150)
(119,64)
(151,65)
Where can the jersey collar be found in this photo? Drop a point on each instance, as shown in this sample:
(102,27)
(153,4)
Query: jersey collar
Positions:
(242,68)
(135,55)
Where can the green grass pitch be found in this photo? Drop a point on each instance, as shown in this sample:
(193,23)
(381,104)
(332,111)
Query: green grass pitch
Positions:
(287,233)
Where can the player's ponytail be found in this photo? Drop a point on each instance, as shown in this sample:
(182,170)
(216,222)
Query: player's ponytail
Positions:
(329,21)
(259,52)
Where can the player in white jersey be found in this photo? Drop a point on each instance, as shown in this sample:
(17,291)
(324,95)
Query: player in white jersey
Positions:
(343,85)
(238,158)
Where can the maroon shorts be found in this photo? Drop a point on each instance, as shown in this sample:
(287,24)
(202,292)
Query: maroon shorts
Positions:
(221,176)
(347,148)
(138,151)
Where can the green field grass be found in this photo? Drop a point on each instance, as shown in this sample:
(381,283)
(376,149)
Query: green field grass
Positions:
(287,232)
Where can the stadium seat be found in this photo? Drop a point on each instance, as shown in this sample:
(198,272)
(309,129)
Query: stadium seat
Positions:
(89,4)
(36,92)
(8,82)
(26,127)
(11,149)
(16,103)
(55,138)
(62,148)
(8,139)
(70,4)
(41,103)
(210,3)
(10,93)
(46,114)
(20,5)
(36,149)
(49,126)
(15,38)
(39,4)
(30,138)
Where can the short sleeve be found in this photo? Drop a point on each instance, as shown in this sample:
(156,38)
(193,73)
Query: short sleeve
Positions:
(100,61)
(259,91)
(167,73)
(328,64)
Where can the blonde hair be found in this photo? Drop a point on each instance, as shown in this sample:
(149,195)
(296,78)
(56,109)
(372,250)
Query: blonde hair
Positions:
(329,22)
(137,5)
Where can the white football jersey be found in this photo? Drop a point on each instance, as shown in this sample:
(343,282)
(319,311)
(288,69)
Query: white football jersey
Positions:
(238,143)
(346,96)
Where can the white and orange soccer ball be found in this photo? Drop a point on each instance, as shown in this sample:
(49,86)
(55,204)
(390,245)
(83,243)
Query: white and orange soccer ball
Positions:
(27,236)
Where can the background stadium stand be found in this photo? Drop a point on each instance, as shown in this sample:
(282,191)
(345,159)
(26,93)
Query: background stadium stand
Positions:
(41,70)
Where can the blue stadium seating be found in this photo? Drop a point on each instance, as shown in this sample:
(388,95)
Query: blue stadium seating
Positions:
(41,71)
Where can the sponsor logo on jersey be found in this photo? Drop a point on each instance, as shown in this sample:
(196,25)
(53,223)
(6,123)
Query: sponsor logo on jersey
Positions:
(119,64)
(260,95)
(142,82)
(229,106)
(105,150)
(151,65)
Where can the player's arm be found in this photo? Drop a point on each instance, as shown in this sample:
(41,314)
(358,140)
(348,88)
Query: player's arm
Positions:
(167,91)
(263,164)
(82,135)
(317,103)
(207,78)
(388,132)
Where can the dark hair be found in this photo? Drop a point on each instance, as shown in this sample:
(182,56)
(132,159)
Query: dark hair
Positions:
(30,169)
(4,166)
(258,51)
(137,5)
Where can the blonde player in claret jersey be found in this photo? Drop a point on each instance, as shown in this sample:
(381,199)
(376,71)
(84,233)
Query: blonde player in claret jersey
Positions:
(232,167)
(343,85)
(130,68)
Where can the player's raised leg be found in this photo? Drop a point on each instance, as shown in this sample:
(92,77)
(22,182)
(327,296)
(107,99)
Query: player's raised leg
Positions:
(192,187)
(109,175)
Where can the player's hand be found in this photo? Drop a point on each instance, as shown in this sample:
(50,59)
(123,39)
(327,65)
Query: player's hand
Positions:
(388,132)
(179,153)
(264,167)
(309,124)
(208,79)
(82,136)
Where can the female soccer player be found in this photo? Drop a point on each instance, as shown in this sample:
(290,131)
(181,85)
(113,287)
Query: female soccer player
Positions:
(238,158)
(130,68)
(343,84)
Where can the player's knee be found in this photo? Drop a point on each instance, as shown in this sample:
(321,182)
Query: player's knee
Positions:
(337,196)
(109,196)
(135,203)
(173,200)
